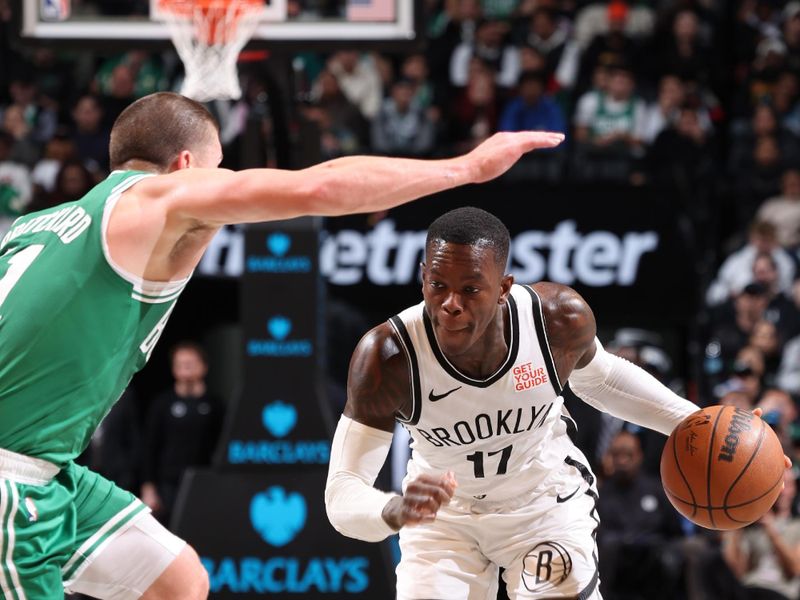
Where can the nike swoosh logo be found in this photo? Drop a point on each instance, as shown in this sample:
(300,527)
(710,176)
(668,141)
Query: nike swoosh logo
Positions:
(436,397)
(559,499)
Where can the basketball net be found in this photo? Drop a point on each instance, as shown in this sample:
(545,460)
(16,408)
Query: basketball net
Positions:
(209,35)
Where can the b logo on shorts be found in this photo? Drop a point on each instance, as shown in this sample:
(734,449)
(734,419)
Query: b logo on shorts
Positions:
(546,566)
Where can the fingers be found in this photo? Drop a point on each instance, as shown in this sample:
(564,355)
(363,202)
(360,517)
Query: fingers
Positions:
(787,461)
(758,412)
(542,139)
(425,495)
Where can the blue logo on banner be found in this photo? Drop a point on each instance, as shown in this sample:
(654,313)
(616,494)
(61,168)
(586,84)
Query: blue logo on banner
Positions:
(279,243)
(279,327)
(279,418)
(277,516)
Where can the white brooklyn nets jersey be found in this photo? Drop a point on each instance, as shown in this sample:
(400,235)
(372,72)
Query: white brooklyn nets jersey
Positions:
(500,435)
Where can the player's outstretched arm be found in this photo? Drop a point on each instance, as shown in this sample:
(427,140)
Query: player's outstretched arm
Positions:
(215,197)
(607,382)
(378,389)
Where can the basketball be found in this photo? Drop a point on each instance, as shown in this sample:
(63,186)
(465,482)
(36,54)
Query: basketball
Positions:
(722,467)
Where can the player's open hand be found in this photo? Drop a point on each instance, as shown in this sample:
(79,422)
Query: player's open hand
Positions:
(421,501)
(496,155)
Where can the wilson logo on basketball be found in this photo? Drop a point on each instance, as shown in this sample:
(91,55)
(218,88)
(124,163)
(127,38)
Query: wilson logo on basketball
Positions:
(526,377)
(741,421)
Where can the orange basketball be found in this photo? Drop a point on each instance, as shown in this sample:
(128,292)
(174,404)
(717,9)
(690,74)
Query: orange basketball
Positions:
(722,467)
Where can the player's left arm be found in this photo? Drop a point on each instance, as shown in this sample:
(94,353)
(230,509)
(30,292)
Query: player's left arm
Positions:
(605,381)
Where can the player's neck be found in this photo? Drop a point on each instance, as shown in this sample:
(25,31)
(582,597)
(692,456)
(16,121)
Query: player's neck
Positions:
(139,165)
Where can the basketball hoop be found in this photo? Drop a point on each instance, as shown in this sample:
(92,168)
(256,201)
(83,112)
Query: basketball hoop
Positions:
(208,35)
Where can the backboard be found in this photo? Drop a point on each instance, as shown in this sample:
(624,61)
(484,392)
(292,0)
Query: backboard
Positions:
(297,23)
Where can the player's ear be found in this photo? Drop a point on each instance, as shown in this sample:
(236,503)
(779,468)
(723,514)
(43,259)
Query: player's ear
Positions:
(422,271)
(184,160)
(505,287)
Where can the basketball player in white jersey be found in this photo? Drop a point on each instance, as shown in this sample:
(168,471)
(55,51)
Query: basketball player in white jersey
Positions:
(475,373)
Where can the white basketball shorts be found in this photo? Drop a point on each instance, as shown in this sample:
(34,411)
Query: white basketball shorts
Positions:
(544,540)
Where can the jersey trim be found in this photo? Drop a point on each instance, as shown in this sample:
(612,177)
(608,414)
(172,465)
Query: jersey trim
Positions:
(413,370)
(112,529)
(150,292)
(544,344)
(12,588)
(458,375)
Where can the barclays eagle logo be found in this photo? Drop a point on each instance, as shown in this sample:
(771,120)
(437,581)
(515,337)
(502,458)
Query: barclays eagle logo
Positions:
(277,516)
(279,243)
(279,418)
(279,327)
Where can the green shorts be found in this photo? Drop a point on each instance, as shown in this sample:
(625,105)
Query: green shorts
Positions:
(51,524)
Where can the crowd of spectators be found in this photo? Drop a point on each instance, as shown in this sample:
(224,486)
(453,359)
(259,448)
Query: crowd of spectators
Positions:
(698,98)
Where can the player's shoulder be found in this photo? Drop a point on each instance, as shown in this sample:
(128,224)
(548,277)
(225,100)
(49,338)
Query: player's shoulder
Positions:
(380,343)
(556,297)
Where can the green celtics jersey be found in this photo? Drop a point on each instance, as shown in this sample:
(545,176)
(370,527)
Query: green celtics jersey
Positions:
(74,327)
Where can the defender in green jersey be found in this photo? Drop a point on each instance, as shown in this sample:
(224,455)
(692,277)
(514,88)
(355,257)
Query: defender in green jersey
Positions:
(86,289)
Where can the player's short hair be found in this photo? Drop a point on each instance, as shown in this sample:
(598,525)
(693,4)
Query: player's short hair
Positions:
(191,346)
(472,227)
(157,128)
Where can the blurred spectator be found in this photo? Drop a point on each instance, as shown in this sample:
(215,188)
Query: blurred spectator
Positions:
(358,79)
(609,127)
(784,99)
(145,70)
(182,428)
(401,127)
(759,177)
(414,69)
(547,35)
(664,111)
(490,46)
(779,411)
(456,25)
(327,94)
(765,556)
(791,34)
(685,52)
(737,270)
(72,183)
(732,323)
(682,158)
(612,46)
(637,543)
(119,93)
(532,109)
(764,337)
(40,118)
(16,188)
(335,140)
(59,149)
(89,133)
(474,113)
(26,149)
(763,123)
(781,311)
(783,212)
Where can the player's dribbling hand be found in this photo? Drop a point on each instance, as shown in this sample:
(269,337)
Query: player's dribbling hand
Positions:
(422,499)
(496,155)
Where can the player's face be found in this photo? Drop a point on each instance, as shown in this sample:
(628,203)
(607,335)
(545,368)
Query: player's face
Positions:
(463,288)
